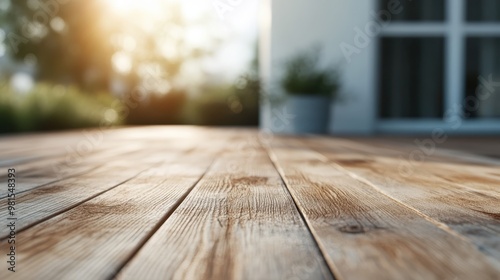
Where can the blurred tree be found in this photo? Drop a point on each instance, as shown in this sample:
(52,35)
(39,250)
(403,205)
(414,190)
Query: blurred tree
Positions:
(159,109)
(237,104)
(150,53)
(82,42)
(68,40)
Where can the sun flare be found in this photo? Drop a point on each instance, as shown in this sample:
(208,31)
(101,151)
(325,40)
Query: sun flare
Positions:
(122,7)
(185,38)
(191,10)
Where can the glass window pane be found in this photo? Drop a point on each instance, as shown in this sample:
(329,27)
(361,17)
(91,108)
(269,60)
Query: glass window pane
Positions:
(483,10)
(483,62)
(411,77)
(416,10)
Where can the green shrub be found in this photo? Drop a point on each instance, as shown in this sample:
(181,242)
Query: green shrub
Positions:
(230,105)
(8,110)
(159,109)
(303,75)
(48,107)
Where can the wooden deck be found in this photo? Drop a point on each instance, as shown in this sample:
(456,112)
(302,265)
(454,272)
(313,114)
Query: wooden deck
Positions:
(205,203)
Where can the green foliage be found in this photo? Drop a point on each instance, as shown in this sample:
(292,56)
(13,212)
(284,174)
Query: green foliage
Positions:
(217,104)
(8,111)
(48,107)
(229,105)
(303,76)
(81,53)
(159,109)
(68,55)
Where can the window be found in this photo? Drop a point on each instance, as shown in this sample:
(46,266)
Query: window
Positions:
(433,56)
(483,60)
(418,10)
(483,10)
(412,77)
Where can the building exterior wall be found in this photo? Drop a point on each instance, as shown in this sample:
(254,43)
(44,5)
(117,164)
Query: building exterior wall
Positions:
(350,27)
(291,26)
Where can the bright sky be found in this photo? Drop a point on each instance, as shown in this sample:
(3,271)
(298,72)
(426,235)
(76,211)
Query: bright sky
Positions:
(235,24)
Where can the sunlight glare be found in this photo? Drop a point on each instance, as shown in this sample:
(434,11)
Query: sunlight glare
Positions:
(122,63)
(122,7)
(193,10)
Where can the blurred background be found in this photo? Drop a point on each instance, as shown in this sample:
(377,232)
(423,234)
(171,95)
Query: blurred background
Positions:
(405,67)
(67,64)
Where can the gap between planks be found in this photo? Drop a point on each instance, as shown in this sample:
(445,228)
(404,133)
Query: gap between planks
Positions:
(158,225)
(43,203)
(21,229)
(114,239)
(310,228)
(233,225)
(411,263)
(458,219)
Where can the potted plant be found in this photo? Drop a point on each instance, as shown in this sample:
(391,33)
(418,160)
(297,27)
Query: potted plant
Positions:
(310,90)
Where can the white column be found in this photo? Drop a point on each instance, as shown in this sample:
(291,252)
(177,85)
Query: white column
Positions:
(265,21)
(455,59)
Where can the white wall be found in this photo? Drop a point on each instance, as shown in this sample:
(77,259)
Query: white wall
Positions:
(289,26)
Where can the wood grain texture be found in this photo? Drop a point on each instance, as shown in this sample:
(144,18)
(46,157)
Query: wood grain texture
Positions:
(40,173)
(62,157)
(32,147)
(239,222)
(94,239)
(126,201)
(480,149)
(37,174)
(43,202)
(432,150)
(456,167)
(470,210)
(366,234)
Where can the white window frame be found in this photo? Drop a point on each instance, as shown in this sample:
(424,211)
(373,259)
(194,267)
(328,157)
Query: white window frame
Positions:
(454,29)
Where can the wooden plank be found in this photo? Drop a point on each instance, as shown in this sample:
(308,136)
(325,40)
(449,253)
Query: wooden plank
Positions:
(34,147)
(41,144)
(57,155)
(471,213)
(409,159)
(239,222)
(35,174)
(71,159)
(366,234)
(12,161)
(96,238)
(444,152)
(484,146)
(479,179)
(44,202)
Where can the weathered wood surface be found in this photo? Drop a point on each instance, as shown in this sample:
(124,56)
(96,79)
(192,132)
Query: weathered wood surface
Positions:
(354,221)
(206,203)
(104,232)
(470,208)
(239,222)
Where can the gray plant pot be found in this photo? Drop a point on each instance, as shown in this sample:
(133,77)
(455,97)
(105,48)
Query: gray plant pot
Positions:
(310,113)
